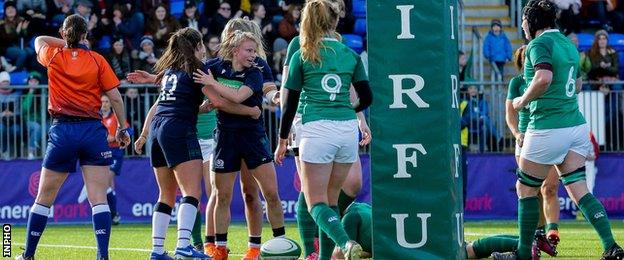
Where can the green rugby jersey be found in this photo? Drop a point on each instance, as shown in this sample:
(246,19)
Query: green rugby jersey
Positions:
(206,123)
(326,84)
(517,87)
(357,221)
(558,106)
(293,47)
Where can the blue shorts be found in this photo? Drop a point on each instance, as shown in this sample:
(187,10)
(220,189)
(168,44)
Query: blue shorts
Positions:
(118,156)
(234,146)
(69,142)
(174,141)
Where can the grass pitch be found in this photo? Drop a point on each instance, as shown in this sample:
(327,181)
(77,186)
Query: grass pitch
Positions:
(133,241)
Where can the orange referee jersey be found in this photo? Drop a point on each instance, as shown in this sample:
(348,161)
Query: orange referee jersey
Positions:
(76,80)
(110,122)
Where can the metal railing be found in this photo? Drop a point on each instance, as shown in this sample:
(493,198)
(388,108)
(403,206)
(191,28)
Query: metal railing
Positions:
(488,132)
(23,132)
(477,54)
(516,16)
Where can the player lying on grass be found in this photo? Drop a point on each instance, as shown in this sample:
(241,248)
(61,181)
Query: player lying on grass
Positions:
(357,222)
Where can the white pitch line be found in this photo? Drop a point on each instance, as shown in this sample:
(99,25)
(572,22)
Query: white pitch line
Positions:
(92,247)
(88,247)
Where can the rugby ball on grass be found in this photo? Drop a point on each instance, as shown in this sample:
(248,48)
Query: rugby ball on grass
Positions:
(280,248)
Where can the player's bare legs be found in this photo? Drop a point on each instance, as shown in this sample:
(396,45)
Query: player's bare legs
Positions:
(266,178)
(161,216)
(253,212)
(549,190)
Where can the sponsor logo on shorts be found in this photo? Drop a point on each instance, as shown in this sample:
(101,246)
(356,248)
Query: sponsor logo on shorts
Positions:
(219,164)
(107,154)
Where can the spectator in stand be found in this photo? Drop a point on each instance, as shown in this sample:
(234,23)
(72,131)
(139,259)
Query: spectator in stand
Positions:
(149,6)
(58,11)
(4,63)
(347,20)
(280,48)
(288,28)
(128,24)
(497,47)
(604,68)
(219,19)
(135,109)
(605,11)
(191,18)
(10,130)
(14,29)
(259,17)
(242,8)
(161,26)
(35,11)
(271,6)
(463,61)
(584,62)
(480,125)
(146,58)
(603,58)
(212,46)
(83,9)
(119,59)
(569,15)
(31,113)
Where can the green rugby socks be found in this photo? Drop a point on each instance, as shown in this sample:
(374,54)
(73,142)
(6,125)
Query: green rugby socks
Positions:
(528,216)
(596,215)
(484,247)
(329,222)
(306,224)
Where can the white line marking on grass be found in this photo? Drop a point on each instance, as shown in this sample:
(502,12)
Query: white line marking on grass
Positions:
(89,247)
(92,247)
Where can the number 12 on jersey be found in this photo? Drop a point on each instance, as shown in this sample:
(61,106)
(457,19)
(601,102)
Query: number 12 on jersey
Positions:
(169,84)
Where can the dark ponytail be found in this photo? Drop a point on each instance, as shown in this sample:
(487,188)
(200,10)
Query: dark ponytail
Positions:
(75,29)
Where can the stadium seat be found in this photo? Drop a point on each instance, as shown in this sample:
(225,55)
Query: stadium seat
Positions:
(177,8)
(616,40)
(360,27)
(2,9)
(19,78)
(585,41)
(355,42)
(359,8)
(105,43)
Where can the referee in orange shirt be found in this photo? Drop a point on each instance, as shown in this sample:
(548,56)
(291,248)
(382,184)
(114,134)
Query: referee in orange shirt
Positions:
(77,79)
